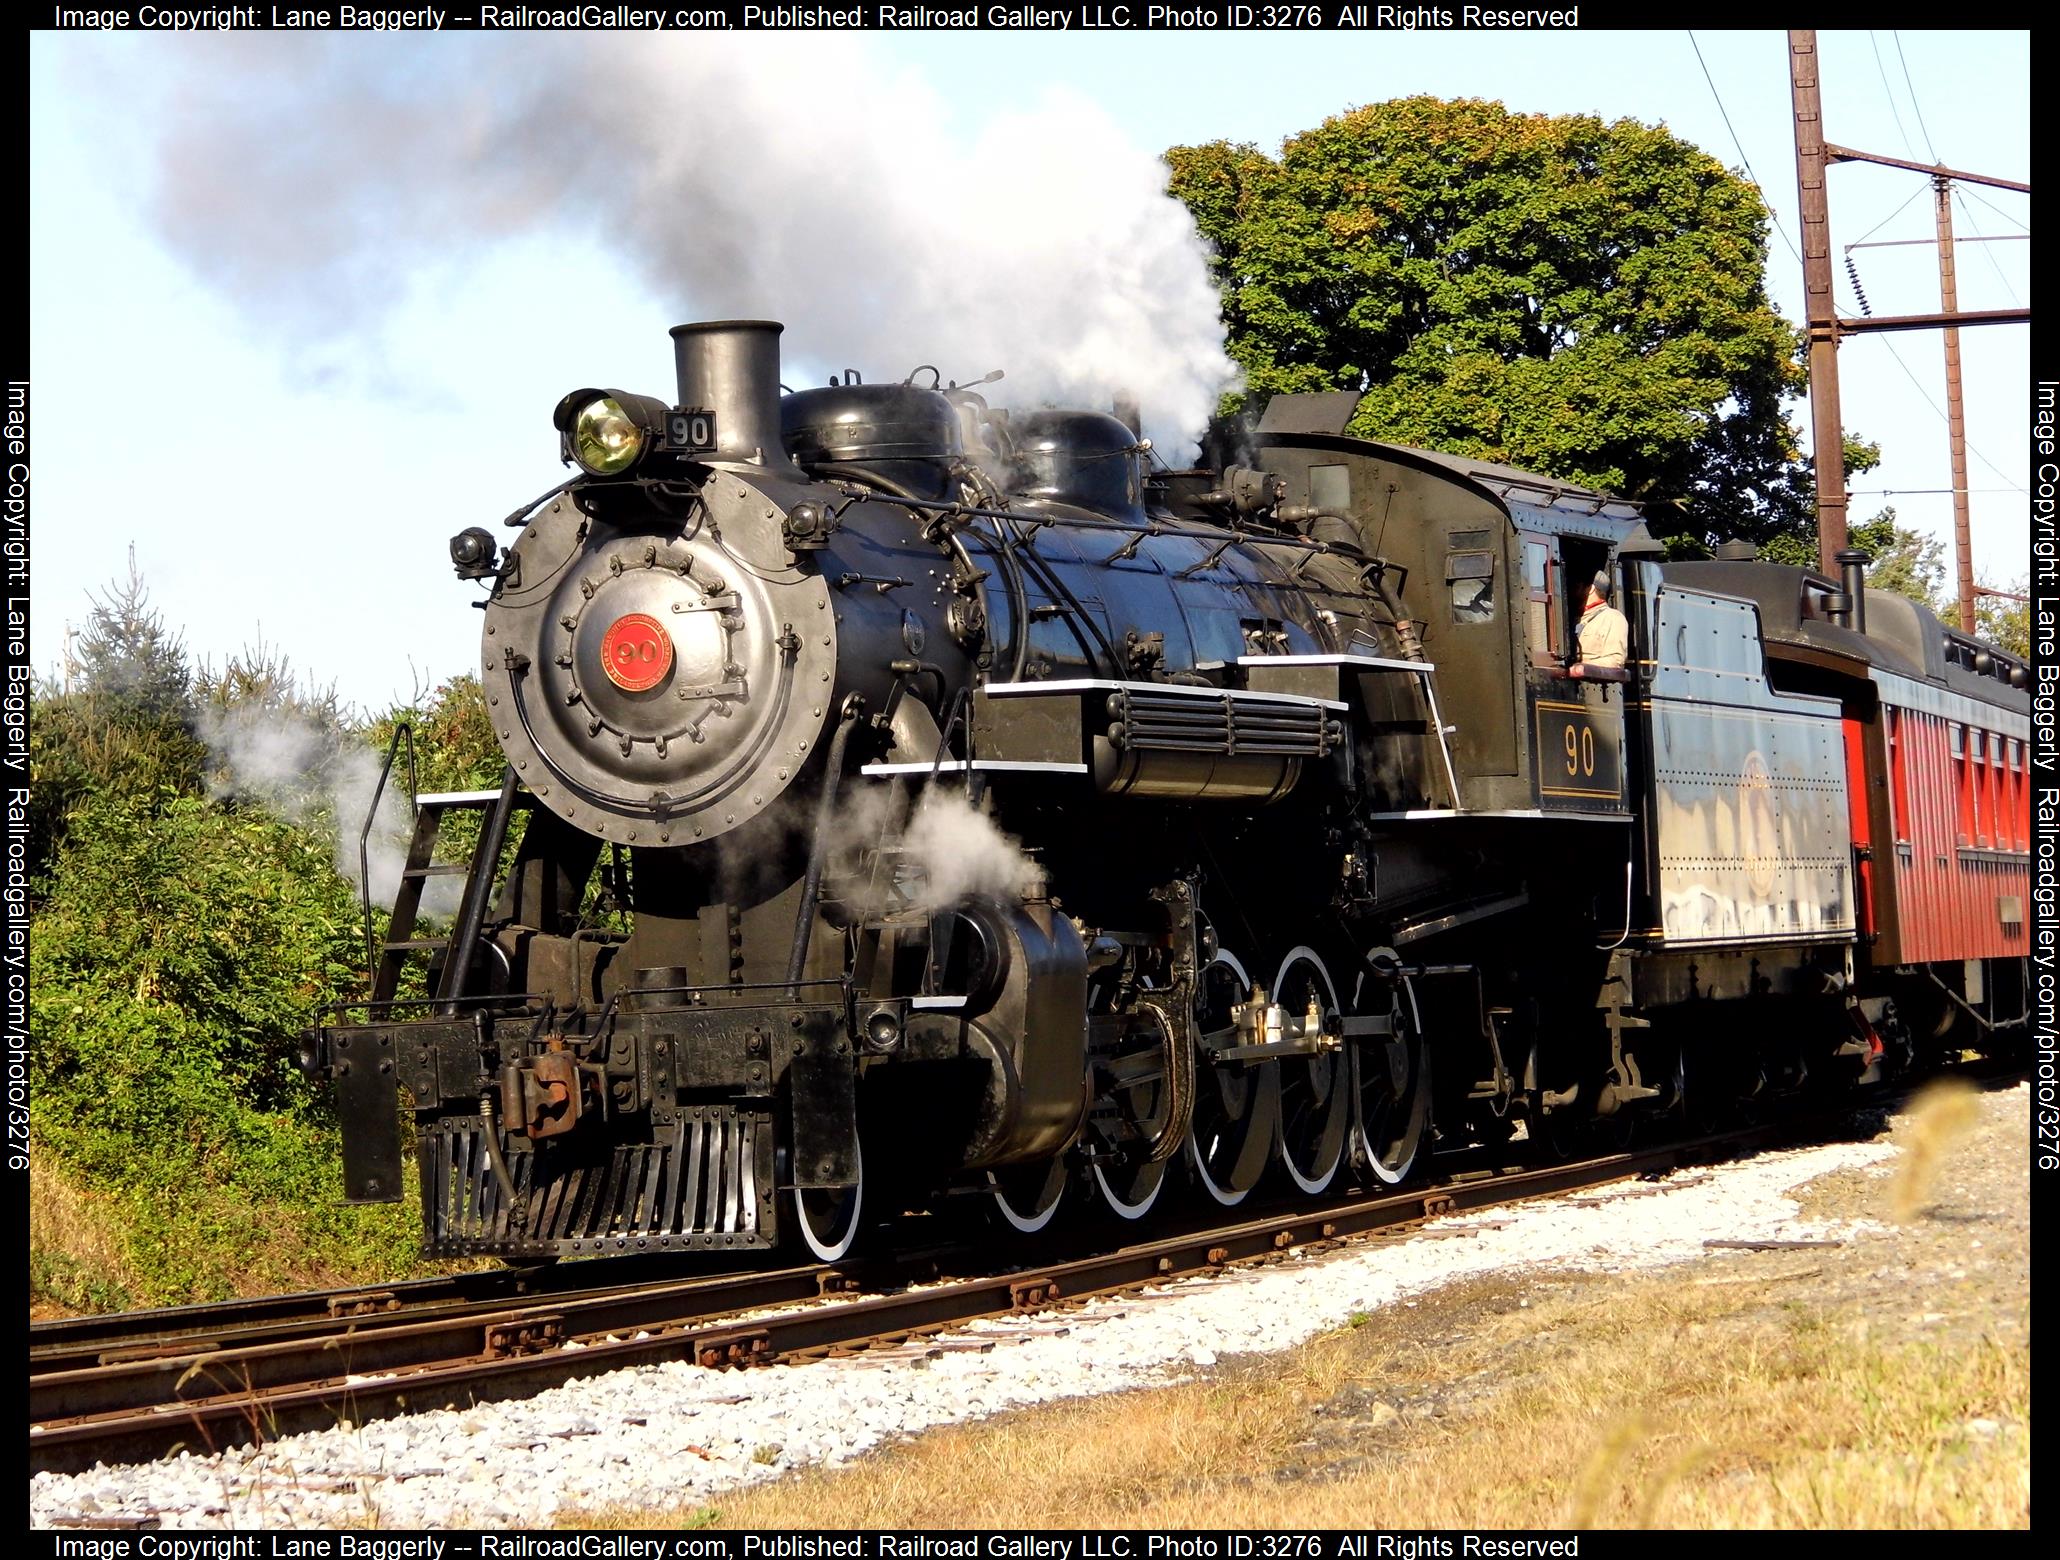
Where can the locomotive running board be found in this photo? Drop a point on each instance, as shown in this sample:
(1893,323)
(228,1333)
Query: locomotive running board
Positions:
(983,766)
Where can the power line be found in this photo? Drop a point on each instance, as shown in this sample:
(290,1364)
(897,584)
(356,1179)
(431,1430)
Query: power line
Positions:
(1912,492)
(1874,39)
(1739,145)
(1986,249)
(1992,206)
(1915,107)
(1899,363)
(1884,222)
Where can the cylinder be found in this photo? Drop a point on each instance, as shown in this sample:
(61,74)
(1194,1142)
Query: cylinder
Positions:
(732,368)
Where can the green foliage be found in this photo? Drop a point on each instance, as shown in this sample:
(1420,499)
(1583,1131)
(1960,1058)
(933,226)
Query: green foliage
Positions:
(2005,621)
(455,748)
(230,926)
(131,660)
(125,726)
(179,951)
(269,735)
(1585,299)
(1905,563)
(189,923)
(1900,557)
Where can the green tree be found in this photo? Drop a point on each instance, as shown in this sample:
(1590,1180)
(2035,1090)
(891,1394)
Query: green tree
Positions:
(1907,563)
(1585,299)
(1904,562)
(455,747)
(129,659)
(125,725)
(189,922)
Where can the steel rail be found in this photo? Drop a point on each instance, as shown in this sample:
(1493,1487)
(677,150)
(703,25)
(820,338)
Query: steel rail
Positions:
(63,1341)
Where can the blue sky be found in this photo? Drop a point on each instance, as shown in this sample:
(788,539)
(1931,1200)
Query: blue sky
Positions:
(300,483)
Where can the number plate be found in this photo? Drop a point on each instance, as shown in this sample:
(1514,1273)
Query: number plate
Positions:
(1574,758)
(690,432)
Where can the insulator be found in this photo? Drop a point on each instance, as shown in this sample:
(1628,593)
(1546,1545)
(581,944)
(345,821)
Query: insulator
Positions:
(1859,292)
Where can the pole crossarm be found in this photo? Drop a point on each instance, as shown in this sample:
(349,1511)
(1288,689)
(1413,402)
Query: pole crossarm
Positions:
(1935,170)
(1856,327)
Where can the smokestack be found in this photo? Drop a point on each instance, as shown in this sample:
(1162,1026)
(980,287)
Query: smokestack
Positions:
(732,367)
(1852,573)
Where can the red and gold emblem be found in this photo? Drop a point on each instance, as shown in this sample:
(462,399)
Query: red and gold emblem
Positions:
(636,652)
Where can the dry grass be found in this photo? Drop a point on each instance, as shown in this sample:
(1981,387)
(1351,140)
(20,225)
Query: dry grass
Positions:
(76,1255)
(93,1251)
(1631,1403)
(1945,1112)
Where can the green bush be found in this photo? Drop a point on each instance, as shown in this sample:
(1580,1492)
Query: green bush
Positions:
(189,922)
(181,948)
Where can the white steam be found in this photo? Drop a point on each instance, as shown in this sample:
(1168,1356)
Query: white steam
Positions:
(929,859)
(808,181)
(961,852)
(324,782)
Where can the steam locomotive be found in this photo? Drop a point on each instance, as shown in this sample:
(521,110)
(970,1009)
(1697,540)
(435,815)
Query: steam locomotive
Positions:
(906,799)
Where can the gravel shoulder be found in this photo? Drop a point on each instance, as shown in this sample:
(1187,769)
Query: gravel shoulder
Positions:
(1866,1366)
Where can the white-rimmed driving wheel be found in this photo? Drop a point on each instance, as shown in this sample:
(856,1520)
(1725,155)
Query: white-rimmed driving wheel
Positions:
(828,1217)
(1315,1093)
(1027,1197)
(1129,1190)
(1391,1095)
(1236,1104)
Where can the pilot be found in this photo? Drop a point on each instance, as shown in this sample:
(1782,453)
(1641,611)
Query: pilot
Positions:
(1603,635)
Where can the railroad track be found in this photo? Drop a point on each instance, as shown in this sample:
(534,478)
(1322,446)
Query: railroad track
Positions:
(149,1384)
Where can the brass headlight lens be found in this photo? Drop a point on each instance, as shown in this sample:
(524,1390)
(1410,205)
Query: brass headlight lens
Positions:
(605,441)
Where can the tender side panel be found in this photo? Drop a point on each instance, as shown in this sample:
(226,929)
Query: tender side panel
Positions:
(1960,812)
(1749,795)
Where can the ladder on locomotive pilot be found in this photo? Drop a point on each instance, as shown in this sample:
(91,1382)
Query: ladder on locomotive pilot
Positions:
(386,958)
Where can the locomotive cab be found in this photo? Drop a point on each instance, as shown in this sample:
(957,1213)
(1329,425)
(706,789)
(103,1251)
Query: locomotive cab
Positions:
(1495,563)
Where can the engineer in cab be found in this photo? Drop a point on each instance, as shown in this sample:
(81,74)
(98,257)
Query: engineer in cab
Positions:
(1602,635)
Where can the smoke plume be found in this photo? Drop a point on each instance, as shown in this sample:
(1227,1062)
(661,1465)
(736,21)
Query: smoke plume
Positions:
(809,182)
(322,781)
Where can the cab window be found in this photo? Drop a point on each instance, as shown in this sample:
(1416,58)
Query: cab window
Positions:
(1541,631)
(1470,577)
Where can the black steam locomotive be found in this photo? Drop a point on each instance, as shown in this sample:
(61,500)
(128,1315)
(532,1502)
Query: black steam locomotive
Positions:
(985,810)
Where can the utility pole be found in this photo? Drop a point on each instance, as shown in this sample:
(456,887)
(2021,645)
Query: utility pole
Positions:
(1813,155)
(1956,421)
(1820,317)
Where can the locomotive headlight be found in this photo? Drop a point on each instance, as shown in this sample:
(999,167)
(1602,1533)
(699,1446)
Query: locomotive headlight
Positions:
(609,431)
(604,440)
